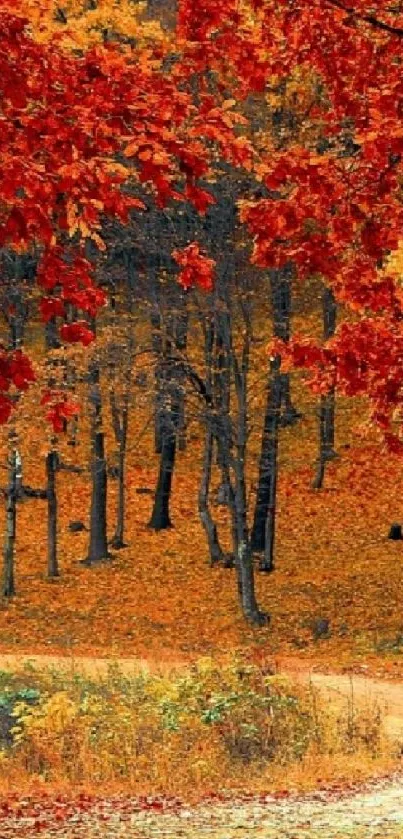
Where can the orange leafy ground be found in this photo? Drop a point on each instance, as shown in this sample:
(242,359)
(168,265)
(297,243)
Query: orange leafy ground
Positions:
(160,599)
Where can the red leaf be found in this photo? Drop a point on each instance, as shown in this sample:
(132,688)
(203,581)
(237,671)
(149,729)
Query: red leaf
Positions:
(77,333)
(51,307)
(197,269)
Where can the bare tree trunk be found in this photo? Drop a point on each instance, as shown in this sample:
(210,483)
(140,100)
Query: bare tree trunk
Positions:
(158,350)
(160,517)
(267,563)
(328,400)
(171,389)
(181,336)
(222,390)
(52,461)
(238,497)
(120,415)
(212,436)
(263,530)
(98,543)
(210,528)
(262,538)
(280,284)
(246,586)
(121,428)
(118,541)
(51,469)
(159,379)
(11,523)
(98,547)
(16,313)
(51,335)
(243,557)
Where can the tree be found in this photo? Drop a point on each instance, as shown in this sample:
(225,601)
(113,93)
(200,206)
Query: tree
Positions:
(327,400)
(337,210)
(60,177)
(226,316)
(80,25)
(166,144)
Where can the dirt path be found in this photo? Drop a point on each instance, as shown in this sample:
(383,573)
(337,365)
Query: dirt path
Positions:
(376,813)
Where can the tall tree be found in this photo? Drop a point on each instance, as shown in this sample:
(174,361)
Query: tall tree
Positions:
(327,400)
(98,540)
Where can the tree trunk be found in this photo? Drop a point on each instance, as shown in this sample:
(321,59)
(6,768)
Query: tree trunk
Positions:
(222,421)
(246,586)
(328,400)
(222,390)
(120,420)
(262,537)
(160,517)
(120,426)
(157,345)
(267,563)
(51,334)
(210,528)
(263,530)
(170,378)
(243,555)
(51,467)
(280,284)
(243,561)
(118,541)
(214,436)
(98,548)
(11,522)
(16,325)
(181,336)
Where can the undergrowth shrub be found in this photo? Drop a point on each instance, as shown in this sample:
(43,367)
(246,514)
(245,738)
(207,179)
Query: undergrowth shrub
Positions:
(198,729)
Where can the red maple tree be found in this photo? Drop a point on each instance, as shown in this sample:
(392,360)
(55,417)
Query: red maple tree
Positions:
(335,207)
(64,121)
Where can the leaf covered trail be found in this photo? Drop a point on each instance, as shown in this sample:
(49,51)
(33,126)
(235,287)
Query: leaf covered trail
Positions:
(374,812)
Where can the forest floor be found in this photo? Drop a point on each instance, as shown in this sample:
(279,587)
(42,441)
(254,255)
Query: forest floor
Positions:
(159,598)
(155,598)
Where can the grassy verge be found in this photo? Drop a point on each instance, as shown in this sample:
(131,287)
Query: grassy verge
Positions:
(210,729)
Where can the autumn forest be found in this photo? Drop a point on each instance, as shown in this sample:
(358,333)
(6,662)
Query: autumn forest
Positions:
(201,400)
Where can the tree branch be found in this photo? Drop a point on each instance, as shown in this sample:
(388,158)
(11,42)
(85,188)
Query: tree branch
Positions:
(371,19)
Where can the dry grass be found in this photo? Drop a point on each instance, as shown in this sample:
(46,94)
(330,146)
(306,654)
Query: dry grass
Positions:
(231,728)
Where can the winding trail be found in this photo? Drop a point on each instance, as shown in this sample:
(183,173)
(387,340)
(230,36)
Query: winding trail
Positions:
(374,811)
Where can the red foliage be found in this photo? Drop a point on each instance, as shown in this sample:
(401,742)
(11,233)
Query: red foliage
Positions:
(197,269)
(337,212)
(60,409)
(64,120)
(77,333)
